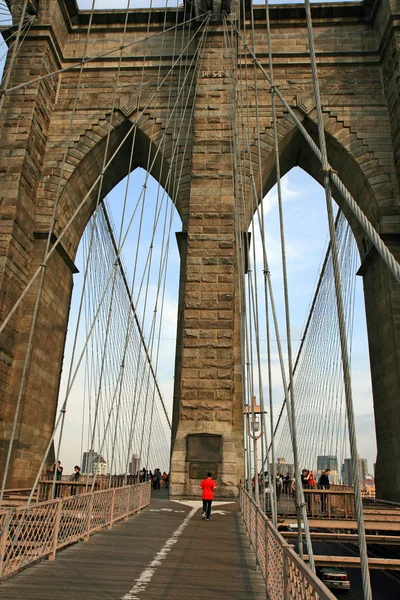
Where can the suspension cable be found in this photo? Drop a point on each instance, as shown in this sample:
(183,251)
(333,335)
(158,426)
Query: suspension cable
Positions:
(341,315)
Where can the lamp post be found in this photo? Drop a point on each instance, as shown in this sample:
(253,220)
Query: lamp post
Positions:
(253,427)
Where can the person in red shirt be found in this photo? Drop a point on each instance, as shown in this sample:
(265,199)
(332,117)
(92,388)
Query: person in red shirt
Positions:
(208,486)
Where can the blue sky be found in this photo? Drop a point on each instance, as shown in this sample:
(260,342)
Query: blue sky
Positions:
(306,232)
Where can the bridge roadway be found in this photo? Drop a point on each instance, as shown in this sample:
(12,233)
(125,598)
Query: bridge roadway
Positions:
(166,551)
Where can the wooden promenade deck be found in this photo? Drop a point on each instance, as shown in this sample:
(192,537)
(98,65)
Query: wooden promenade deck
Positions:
(165,552)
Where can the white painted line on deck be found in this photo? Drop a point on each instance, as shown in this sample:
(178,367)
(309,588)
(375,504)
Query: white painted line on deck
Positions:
(146,576)
(199,503)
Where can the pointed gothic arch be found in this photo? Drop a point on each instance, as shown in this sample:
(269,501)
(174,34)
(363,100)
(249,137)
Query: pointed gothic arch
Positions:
(369,178)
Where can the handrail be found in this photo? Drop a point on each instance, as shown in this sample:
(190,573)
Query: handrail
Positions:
(30,533)
(284,572)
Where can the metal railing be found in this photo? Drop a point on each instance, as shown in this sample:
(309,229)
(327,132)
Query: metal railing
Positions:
(30,533)
(286,575)
(337,502)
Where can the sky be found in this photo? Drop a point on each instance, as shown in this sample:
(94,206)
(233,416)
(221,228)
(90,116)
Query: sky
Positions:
(306,231)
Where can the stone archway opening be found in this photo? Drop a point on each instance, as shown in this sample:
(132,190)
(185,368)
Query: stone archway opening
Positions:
(306,232)
(121,202)
(378,294)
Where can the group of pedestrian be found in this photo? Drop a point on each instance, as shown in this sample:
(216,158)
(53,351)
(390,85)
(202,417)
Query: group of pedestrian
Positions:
(157,479)
(285,485)
(58,469)
(309,482)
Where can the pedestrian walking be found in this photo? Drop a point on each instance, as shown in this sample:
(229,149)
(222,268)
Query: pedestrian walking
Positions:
(75,477)
(324,484)
(208,486)
(278,486)
(287,480)
(305,481)
(56,466)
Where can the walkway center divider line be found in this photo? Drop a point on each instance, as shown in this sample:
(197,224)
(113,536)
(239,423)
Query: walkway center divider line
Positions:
(146,576)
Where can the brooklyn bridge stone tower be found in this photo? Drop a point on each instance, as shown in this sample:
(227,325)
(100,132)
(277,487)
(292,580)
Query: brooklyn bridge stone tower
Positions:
(359,65)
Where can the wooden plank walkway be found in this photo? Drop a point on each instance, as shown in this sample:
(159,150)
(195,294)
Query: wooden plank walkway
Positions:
(166,552)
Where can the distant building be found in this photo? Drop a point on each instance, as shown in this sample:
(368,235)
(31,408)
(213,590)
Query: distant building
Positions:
(282,467)
(329,461)
(134,465)
(101,466)
(93,463)
(363,469)
(348,473)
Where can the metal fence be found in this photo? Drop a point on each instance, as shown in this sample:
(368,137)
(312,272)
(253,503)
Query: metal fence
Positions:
(337,502)
(30,533)
(286,576)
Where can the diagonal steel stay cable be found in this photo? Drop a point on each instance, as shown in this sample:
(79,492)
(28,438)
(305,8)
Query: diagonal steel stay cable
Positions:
(252,274)
(59,185)
(109,130)
(369,230)
(177,180)
(240,182)
(13,56)
(38,293)
(367,227)
(235,150)
(246,315)
(267,276)
(177,141)
(326,374)
(133,307)
(25,30)
(312,342)
(164,278)
(83,202)
(29,345)
(255,290)
(108,283)
(340,309)
(99,196)
(282,234)
(7,92)
(306,327)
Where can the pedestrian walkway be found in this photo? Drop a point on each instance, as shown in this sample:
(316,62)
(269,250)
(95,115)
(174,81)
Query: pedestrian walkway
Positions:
(166,552)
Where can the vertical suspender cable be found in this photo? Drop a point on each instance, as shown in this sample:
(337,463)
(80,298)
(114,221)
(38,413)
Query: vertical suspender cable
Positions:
(286,291)
(341,316)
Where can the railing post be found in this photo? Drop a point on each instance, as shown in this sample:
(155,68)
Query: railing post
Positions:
(3,540)
(112,509)
(266,555)
(140,497)
(285,575)
(89,519)
(256,537)
(52,555)
(128,503)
